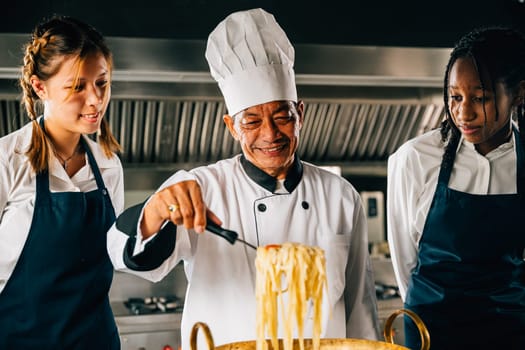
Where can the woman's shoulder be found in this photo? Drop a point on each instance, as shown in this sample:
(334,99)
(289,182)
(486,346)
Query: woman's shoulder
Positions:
(428,144)
(15,143)
(420,157)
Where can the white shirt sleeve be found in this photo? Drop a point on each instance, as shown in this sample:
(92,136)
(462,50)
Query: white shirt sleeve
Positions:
(400,203)
(117,240)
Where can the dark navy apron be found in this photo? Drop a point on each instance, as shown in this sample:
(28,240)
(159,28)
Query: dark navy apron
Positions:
(469,283)
(57,296)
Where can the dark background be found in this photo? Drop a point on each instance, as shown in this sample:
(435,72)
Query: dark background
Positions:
(422,23)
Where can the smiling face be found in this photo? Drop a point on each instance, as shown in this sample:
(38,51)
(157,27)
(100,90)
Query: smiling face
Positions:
(76,97)
(482,116)
(269,134)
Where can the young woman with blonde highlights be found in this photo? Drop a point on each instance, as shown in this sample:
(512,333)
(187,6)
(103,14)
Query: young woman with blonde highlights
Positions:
(59,194)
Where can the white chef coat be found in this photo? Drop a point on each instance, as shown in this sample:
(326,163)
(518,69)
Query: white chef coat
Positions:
(18,190)
(412,179)
(323,210)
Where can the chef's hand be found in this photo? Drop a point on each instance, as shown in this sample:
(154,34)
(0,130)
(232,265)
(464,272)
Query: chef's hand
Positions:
(180,203)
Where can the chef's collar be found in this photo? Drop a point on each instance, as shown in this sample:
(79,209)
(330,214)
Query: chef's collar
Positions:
(269,182)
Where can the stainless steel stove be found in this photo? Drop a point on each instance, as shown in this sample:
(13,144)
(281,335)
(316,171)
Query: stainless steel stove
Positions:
(153,305)
(151,323)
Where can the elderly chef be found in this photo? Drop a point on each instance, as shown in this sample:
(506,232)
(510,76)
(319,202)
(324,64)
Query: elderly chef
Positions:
(266,194)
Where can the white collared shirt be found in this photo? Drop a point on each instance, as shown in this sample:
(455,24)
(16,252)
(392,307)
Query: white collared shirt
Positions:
(18,190)
(412,179)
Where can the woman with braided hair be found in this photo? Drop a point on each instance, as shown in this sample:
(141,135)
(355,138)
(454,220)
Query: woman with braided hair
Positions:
(455,198)
(60,191)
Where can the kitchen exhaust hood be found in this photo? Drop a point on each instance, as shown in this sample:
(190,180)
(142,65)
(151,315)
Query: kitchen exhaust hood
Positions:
(362,102)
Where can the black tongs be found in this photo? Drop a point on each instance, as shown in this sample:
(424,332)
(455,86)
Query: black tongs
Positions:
(229,235)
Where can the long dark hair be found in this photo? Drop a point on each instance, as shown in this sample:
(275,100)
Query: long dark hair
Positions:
(499,51)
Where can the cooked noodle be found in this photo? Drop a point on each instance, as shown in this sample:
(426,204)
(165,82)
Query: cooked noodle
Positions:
(299,271)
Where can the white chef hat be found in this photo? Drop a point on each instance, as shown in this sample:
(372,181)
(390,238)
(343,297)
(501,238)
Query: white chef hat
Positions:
(252,59)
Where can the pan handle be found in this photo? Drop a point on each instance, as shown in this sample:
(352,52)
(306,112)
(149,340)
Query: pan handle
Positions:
(423,331)
(229,235)
(207,335)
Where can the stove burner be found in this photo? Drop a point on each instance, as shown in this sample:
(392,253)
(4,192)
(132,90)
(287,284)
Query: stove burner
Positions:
(384,291)
(149,305)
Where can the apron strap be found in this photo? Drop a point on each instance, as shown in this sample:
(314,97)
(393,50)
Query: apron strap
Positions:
(93,164)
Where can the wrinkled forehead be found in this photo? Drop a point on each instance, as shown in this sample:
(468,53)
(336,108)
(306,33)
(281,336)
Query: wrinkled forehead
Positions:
(268,108)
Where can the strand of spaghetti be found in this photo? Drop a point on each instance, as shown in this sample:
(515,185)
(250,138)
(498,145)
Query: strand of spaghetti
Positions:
(302,269)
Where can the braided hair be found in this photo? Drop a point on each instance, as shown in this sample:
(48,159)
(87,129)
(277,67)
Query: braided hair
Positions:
(500,52)
(51,41)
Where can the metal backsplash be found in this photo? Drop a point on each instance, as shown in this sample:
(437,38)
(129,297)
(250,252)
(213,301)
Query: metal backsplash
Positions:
(362,103)
(190,132)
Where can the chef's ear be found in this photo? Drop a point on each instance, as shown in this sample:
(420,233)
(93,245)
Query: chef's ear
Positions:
(299,106)
(230,123)
(38,86)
